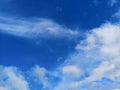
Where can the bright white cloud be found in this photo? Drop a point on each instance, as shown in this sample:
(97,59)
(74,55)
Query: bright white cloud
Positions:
(99,57)
(40,28)
(10,78)
(104,44)
(96,57)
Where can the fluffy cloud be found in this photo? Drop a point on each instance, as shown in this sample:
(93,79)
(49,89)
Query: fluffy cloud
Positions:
(10,78)
(98,57)
(37,28)
(71,71)
(101,45)
(96,63)
(40,74)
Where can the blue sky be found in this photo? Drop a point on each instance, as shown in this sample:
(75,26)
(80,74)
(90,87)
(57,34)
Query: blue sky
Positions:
(59,45)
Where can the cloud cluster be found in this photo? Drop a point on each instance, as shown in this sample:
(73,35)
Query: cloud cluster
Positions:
(99,57)
(12,78)
(96,63)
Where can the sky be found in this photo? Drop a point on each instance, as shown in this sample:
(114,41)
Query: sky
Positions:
(59,45)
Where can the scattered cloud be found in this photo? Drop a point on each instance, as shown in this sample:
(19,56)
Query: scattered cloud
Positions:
(12,79)
(40,74)
(96,63)
(39,28)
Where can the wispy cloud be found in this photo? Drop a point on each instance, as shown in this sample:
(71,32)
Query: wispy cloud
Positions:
(40,74)
(117,15)
(39,28)
(112,2)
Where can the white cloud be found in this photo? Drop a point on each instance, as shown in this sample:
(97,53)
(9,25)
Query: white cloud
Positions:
(40,75)
(96,57)
(71,71)
(105,42)
(99,57)
(10,78)
(37,28)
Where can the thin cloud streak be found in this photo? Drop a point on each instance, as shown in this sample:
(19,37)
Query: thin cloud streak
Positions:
(38,28)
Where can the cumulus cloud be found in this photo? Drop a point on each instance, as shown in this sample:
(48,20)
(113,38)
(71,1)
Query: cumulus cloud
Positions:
(99,56)
(95,63)
(10,78)
(71,71)
(39,28)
